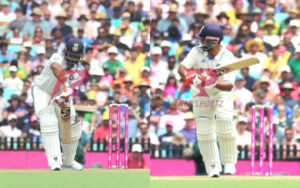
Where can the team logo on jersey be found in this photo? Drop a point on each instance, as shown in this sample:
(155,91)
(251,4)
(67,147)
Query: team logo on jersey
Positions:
(75,47)
(76,79)
(203,61)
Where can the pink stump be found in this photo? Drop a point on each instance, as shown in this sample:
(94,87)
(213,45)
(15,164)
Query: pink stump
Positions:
(118,136)
(253,119)
(126,138)
(110,136)
(270,141)
(261,145)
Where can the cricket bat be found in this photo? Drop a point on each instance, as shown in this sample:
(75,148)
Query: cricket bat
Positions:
(65,116)
(65,125)
(237,65)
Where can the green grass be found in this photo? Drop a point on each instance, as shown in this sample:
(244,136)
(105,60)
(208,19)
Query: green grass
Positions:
(133,178)
(88,178)
(226,182)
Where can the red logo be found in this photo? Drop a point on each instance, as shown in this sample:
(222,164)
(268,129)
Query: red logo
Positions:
(76,78)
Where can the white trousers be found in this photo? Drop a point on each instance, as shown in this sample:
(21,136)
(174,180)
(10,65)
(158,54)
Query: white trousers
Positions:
(214,118)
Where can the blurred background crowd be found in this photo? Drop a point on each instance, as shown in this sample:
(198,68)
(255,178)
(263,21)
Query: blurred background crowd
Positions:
(116,37)
(267,29)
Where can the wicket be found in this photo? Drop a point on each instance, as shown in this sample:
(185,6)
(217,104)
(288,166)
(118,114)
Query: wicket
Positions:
(110,144)
(261,143)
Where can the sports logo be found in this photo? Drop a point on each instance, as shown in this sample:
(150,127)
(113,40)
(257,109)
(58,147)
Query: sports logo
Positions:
(75,47)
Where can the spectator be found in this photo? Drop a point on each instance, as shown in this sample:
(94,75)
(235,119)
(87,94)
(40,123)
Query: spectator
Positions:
(274,62)
(48,19)
(144,132)
(3,103)
(65,29)
(295,64)
(101,131)
(264,84)
(41,58)
(88,30)
(13,82)
(168,136)
(260,97)
(58,43)
(179,140)
(170,87)
(286,89)
(16,38)
(21,73)
(136,159)
(5,15)
(34,130)
(10,130)
(80,34)
(296,124)
(269,37)
(127,89)
(278,132)
(71,21)
(285,77)
(143,98)
(158,67)
(135,14)
(23,61)
(243,136)
(165,49)
(257,15)
(200,18)
(165,23)
(157,110)
(145,74)
(94,20)
(19,22)
(5,54)
(289,142)
(189,130)
(283,120)
(255,47)
(249,79)
(133,65)
(243,95)
(113,64)
(173,114)
(29,27)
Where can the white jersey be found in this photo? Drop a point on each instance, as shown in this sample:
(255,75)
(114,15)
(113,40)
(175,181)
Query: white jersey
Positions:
(47,81)
(197,58)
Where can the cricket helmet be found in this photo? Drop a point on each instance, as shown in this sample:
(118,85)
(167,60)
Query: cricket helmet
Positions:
(210,31)
(73,52)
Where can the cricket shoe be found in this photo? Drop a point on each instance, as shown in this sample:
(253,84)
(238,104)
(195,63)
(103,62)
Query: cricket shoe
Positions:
(214,173)
(55,166)
(229,169)
(74,165)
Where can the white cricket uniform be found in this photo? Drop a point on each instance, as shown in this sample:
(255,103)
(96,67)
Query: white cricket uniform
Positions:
(213,114)
(48,112)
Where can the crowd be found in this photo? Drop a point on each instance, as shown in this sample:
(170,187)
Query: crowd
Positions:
(116,38)
(268,30)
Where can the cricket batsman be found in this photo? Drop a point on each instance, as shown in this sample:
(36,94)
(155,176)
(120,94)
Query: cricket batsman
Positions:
(213,111)
(48,86)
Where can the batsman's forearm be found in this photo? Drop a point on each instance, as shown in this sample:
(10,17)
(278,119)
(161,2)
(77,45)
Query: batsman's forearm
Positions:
(182,71)
(224,86)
